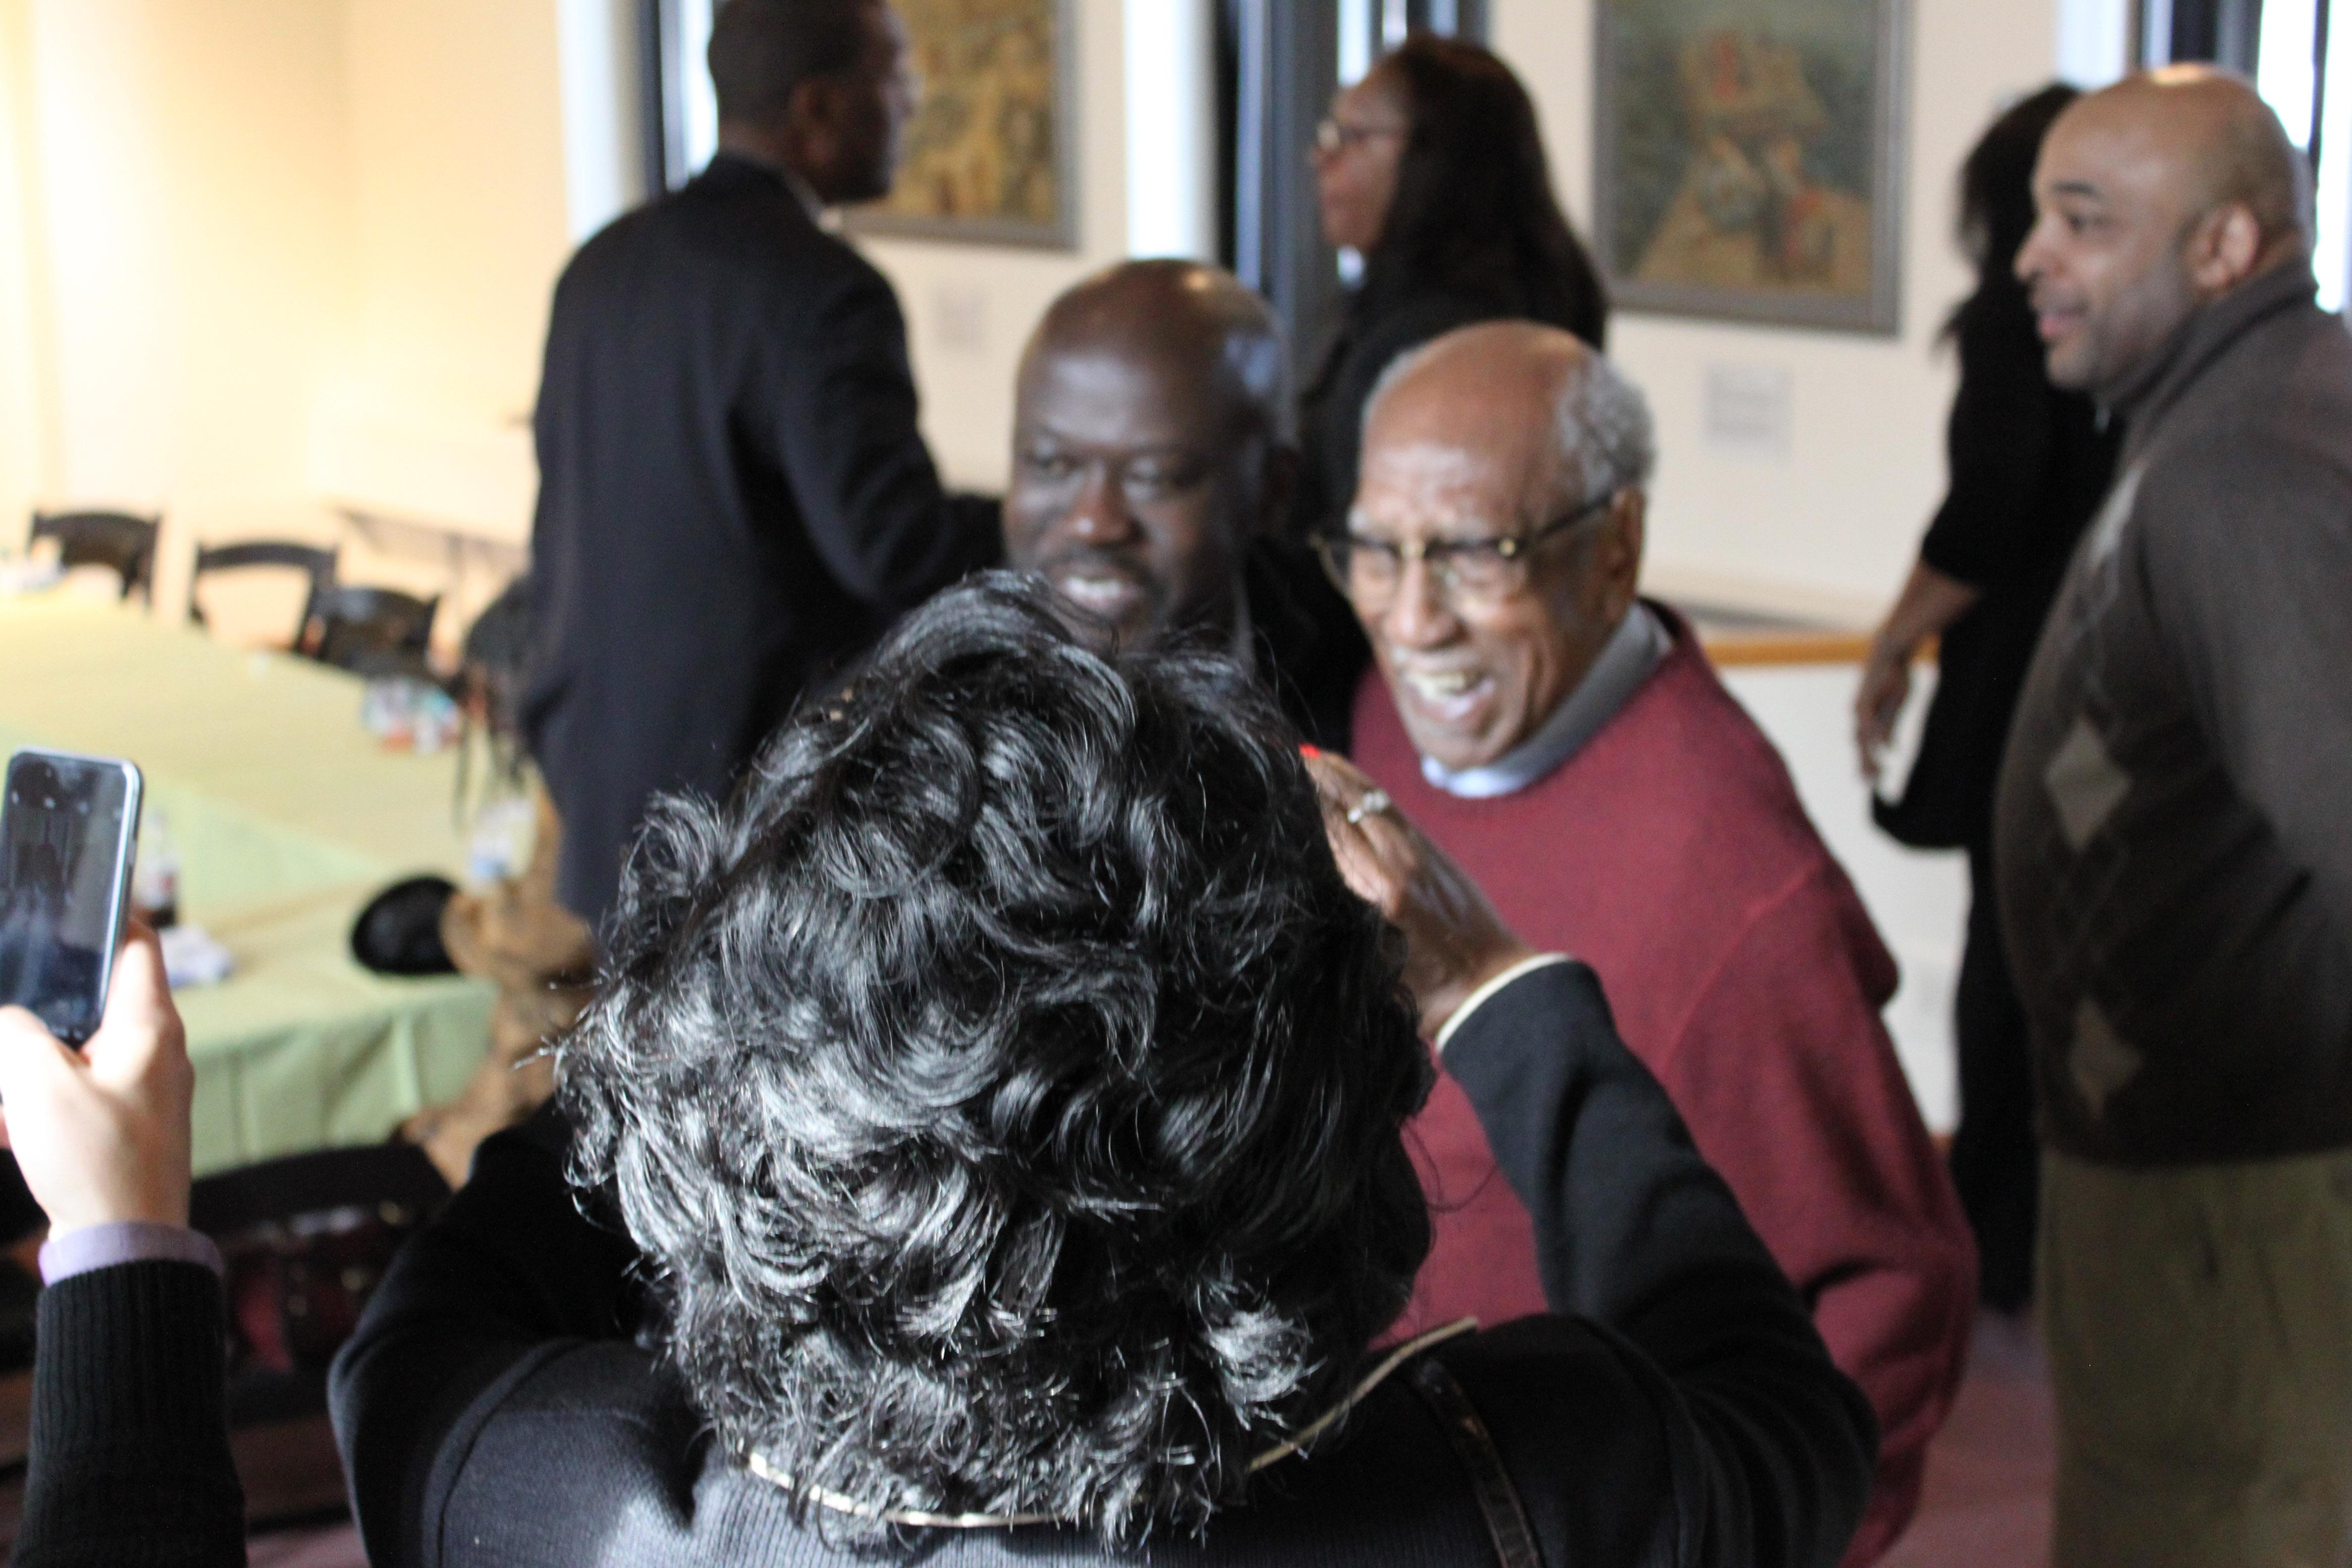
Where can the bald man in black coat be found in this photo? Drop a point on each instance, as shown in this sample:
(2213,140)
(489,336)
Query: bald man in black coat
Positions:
(734,497)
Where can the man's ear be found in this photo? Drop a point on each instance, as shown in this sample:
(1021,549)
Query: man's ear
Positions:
(813,120)
(1625,534)
(2223,247)
(1278,488)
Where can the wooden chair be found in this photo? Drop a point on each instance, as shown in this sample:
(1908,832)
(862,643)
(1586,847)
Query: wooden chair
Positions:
(369,631)
(317,564)
(122,543)
(306,1239)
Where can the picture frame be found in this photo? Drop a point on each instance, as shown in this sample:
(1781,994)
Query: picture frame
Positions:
(991,155)
(1749,159)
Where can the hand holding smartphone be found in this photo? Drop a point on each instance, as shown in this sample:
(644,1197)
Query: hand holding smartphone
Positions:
(103,1135)
(68,829)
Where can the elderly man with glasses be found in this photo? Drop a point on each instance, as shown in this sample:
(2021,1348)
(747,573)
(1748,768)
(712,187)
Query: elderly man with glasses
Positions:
(1568,744)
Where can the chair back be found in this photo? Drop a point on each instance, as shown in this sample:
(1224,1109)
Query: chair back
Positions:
(369,631)
(115,540)
(316,563)
(305,1239)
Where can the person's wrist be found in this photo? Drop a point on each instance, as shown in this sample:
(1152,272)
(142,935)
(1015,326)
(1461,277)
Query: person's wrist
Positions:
(126,1180)
(1498,961)
(1490,961)
(119,1209)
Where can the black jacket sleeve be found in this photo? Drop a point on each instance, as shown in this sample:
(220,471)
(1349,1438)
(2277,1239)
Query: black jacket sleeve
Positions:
(129,1465)
(841,413)
(1770,1445)
(510,1275)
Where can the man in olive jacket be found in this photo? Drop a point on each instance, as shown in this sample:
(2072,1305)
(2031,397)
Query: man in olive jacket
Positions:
(2176,870)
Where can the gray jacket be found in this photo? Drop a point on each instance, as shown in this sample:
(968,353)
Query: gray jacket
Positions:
(2175,859)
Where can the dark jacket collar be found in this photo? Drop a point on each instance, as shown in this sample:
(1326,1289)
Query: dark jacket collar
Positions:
(2150,390)
(736,171)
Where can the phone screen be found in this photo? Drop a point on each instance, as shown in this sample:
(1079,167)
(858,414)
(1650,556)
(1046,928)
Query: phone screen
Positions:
(67,826)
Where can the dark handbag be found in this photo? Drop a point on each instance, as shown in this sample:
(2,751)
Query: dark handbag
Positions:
(1498,1500)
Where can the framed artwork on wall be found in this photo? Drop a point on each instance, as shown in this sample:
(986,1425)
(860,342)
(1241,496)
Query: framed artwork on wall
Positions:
(1751,159)
(991,155)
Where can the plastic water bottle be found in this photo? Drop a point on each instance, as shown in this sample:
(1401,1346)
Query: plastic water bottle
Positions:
(500,841)
(155,878)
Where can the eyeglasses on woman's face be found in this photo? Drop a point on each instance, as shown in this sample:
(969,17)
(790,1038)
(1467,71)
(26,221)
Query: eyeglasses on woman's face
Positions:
(1466,571)
(1334,135)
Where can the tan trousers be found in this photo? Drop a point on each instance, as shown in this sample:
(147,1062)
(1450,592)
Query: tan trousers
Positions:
(2199,1329)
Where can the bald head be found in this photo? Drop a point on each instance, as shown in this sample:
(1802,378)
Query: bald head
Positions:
(1593,427)
(2212,130)
(2156,196)
(1514,432)
(1198,323)
(1149,446)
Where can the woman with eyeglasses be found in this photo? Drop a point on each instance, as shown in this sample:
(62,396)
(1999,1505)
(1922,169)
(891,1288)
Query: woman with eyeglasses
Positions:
(1431,169)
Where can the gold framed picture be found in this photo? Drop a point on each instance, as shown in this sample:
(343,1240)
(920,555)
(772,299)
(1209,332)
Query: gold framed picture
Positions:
(1749,159)
(989,155)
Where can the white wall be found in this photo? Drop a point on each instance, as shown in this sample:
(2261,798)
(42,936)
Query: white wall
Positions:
(26,367)
(183,247)
(458,178)
(260,254)
(477,152)
(1830,526)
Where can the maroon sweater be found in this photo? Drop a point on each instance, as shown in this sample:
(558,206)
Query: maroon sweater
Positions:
(1672,855)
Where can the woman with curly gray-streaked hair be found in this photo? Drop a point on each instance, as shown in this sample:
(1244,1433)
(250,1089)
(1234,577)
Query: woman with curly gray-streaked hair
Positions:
(989,1133)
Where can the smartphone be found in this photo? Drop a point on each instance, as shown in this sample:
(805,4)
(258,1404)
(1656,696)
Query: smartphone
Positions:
(69,832)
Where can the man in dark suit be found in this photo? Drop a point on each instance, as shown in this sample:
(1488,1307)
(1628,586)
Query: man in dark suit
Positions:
(733,493)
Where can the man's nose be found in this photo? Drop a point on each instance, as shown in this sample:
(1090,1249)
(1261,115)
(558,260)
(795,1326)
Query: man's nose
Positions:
(1099,514)
(2029,263)
(1420,616)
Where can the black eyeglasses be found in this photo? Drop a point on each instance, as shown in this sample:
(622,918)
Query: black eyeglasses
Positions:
(1369,570)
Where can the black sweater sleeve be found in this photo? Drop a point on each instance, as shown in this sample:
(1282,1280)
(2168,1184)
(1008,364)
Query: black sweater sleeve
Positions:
(509,1276)
(129,1465)
(1771,1447)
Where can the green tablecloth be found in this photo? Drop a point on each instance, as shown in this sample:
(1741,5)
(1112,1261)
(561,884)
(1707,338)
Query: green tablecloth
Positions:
(286,816)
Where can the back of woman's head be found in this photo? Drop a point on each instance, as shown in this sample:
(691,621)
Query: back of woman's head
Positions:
(1474,211)
(1005,1089)
(1997,183)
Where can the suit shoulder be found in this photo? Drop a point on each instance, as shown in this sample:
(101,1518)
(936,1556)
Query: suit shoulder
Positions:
(723,238)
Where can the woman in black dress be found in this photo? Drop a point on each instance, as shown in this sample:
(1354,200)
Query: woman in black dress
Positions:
(2028,464)
(1432,169)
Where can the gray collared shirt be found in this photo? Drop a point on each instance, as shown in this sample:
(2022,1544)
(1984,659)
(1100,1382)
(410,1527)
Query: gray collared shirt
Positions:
(1632,652)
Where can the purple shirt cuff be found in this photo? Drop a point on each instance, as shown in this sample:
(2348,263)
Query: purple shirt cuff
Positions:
(125,1241)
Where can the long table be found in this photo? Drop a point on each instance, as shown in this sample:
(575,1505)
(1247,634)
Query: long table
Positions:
(286,816)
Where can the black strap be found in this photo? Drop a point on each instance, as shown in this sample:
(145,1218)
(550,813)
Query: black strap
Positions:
(1498,1500)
